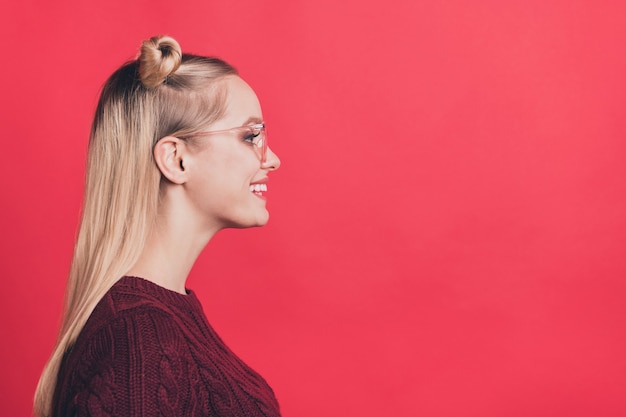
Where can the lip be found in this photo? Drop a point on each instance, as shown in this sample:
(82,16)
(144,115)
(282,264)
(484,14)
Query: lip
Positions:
(261,181)
(264,180)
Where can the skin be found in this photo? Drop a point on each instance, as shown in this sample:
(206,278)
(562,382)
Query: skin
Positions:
(208,190)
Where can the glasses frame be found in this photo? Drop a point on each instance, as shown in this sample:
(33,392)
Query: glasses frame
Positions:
(261,138)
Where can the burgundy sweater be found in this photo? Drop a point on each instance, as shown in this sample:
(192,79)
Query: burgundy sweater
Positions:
(148,351)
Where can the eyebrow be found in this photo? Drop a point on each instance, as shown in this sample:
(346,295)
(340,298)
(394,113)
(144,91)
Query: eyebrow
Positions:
(252,121)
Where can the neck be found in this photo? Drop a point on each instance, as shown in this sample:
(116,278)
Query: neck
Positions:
(174,244)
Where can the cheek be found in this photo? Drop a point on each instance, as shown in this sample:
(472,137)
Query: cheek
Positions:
(223,178)
(242,165)
(228,168)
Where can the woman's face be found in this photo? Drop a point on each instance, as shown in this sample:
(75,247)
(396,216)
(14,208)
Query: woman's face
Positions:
(227,180)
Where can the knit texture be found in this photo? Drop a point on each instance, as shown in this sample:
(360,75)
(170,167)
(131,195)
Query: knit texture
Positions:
(149,351)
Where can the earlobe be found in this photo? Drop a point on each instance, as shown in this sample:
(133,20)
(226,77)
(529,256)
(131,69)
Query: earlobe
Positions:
(168,155)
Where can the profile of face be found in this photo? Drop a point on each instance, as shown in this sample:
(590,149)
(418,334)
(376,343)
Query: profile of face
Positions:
(227,179)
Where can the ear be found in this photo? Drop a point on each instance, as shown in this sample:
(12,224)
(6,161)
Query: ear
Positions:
(169,155)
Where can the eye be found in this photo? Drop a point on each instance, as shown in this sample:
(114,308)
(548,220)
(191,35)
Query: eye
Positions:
(251,135)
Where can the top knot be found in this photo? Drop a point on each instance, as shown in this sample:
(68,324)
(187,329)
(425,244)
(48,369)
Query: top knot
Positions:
(159,58)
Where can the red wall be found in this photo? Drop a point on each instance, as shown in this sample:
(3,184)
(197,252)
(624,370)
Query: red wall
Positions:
(448,226)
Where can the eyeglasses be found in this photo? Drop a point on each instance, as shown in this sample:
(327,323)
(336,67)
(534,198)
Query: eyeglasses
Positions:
(252,134)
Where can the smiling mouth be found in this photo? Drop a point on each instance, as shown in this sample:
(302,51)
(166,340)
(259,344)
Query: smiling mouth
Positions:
(258,189)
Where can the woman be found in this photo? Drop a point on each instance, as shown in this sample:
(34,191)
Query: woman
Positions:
(177,152)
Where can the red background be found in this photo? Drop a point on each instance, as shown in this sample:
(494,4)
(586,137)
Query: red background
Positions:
(448,226)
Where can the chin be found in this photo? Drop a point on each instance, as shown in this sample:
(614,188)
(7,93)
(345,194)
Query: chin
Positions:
(260,221)
(262,218)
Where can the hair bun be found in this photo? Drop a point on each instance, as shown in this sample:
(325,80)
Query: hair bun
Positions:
(160,57)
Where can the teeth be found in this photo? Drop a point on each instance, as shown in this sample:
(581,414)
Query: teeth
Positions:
(256,188)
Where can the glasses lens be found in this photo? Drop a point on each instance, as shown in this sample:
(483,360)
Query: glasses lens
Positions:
(263,147)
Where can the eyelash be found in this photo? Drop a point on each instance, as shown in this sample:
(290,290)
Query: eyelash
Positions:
(250,136)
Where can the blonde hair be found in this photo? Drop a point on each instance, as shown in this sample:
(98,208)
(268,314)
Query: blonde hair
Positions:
(163,92)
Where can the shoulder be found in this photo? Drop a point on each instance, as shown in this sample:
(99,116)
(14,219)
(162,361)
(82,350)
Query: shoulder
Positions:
(138,364)
(140,306)
(131,337)
(134,355)
(132,329)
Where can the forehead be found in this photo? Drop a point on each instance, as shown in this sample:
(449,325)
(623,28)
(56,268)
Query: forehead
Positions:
(242,104)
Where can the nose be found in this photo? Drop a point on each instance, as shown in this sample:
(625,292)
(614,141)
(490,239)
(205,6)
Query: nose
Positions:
(272,162)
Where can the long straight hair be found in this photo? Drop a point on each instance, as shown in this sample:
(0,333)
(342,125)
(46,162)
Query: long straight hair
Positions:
(162,93)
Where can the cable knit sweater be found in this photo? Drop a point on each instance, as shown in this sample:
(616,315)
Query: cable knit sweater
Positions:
(148,351)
